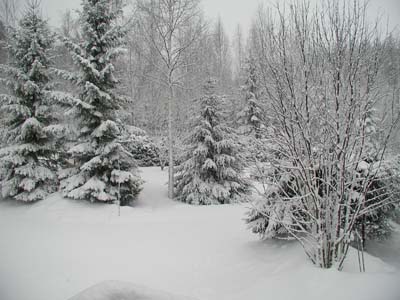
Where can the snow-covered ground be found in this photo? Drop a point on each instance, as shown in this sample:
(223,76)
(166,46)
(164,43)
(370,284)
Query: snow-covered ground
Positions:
(57,248)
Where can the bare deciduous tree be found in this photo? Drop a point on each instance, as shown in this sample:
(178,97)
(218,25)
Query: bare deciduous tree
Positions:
(321,75)
(171,27)
(221,60)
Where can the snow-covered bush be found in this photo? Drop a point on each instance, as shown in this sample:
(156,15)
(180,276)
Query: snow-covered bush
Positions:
(273,212)
(28,125)
(282,210)
(178,148)
(138,143)
(375,185)
(211,169)
(396,187)
(377,177)
(102,170)
(382,178)
(163,147)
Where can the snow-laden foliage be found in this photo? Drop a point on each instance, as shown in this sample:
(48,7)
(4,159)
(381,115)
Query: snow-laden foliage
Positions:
(178,148)
(27,157)
(138,143)
(252,115)
(252,119)
(379,176)
(396,187)
(267,212)
(211,171)
(102,169)
(282,209)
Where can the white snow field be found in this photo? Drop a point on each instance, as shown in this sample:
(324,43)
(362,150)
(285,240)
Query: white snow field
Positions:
(60,249)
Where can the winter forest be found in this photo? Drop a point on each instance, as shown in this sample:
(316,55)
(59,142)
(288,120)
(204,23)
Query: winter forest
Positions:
(147,153)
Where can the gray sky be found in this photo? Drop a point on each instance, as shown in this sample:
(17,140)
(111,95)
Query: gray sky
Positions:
(232,12)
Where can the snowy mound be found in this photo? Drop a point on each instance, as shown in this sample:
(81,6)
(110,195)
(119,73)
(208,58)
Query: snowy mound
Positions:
(118,290)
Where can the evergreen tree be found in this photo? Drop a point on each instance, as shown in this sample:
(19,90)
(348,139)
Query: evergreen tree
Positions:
(210,171)
(252,113)
(252,121)
(27,166)
(103,170)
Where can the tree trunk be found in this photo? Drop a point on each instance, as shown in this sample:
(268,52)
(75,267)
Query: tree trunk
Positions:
(170,145)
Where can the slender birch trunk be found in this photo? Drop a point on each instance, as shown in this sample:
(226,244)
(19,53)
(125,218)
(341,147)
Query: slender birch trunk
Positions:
(170,144)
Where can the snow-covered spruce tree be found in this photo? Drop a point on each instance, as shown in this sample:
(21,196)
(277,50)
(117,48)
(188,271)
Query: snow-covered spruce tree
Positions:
(27,167)
(103,170)
(252,114)
(253,123)
(211,169)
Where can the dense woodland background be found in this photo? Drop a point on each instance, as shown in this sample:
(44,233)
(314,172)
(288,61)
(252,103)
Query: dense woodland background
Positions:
(211,53)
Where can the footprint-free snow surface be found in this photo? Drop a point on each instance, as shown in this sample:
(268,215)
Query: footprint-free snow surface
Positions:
(59,249)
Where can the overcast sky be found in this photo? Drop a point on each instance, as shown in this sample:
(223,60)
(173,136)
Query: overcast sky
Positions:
(232,12)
